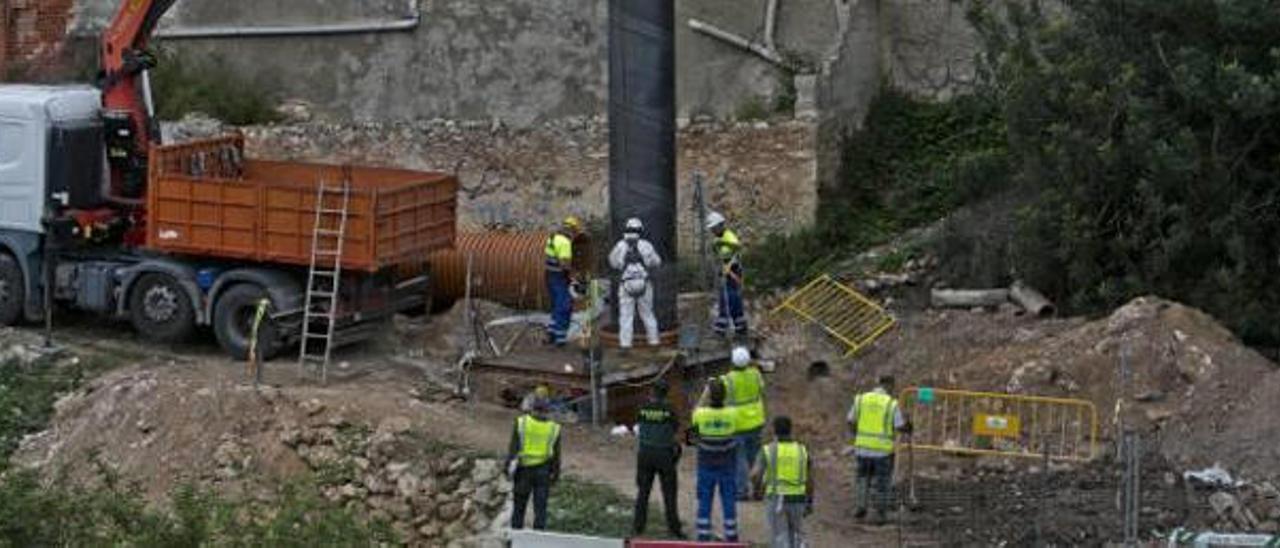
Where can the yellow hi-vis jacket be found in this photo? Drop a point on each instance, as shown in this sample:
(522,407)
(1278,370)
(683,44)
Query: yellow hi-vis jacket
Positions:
(537,440)
(745,390)
(875,421)
(715,427)
(786,468)
(559,252)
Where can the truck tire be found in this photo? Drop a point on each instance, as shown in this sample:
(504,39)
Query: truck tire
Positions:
(13,292)
(233,323)
(160,309)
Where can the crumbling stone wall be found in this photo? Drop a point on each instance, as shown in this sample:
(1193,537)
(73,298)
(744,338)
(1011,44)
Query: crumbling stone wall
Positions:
(762,174)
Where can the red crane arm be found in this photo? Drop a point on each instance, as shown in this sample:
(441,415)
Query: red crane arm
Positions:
(124,57)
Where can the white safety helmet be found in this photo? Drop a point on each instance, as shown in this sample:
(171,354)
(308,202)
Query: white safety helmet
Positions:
(714,219)
(741,356)
(633,225)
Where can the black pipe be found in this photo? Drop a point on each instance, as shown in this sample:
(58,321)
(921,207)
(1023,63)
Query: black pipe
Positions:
(642,139)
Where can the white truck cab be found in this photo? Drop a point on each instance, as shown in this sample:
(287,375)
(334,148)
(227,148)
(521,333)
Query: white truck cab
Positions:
(50,144)
(51,151)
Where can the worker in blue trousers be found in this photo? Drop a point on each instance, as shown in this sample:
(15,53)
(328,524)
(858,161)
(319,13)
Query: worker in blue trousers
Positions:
(730,318)
(559,263)
(714,427)
(744,389)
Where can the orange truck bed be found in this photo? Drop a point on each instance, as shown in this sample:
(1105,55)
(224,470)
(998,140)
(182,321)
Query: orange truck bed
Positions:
(204,198)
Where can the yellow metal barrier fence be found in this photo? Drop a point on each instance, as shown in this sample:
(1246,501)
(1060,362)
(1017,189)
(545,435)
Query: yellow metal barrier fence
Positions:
(985,423)
(842,312)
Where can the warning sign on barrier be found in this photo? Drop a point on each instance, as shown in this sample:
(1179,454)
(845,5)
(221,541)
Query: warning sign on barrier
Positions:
(988,423)
(1007,426)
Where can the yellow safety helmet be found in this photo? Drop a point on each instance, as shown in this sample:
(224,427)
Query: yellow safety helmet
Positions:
(572,223)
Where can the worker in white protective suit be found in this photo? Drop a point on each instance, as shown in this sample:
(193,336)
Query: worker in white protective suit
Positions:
(634,257)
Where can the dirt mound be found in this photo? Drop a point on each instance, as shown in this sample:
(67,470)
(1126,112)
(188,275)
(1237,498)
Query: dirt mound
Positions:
(164,428)
(1190,382)
(1196,392)
(173,430)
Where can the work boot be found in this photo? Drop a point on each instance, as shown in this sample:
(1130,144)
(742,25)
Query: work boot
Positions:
(860,513)
(881,517)
(678,535)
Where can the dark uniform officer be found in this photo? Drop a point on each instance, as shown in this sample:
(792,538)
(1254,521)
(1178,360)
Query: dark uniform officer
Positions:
(657,454)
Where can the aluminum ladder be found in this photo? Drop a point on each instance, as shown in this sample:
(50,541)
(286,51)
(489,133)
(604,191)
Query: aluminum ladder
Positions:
(321,308)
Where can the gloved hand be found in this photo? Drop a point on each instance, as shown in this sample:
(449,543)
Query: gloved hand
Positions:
(578,288)
(808,508)
(679,451)
(511,467)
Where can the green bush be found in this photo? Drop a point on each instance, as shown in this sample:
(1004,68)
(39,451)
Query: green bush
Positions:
(914,162)
(1147,152)
(184,85)
(752,109)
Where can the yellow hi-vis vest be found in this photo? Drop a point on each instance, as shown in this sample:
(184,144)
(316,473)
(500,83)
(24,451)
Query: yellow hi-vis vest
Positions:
(875,422)
(745,390)
(537,440)
(559,252)
(715,427)
(786,468)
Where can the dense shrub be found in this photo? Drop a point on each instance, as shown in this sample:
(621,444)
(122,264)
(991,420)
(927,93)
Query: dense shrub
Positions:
(914,162)
(184,85)
(1147,148)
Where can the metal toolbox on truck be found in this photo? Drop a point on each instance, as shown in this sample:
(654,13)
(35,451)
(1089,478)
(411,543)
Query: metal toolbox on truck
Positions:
(205,198)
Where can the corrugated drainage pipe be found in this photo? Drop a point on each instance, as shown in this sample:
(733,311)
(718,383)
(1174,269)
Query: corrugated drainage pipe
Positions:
(506,267)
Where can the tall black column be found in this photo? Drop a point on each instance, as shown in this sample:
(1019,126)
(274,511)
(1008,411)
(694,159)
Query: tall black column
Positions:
(642,140)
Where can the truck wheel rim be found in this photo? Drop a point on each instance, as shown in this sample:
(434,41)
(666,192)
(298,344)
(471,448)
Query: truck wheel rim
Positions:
(160,304)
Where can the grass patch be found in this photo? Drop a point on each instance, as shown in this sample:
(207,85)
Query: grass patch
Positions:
(585,508)
(32,514)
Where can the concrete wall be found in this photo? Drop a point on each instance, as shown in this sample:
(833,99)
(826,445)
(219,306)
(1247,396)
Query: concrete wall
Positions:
(929,46)
(530,61)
